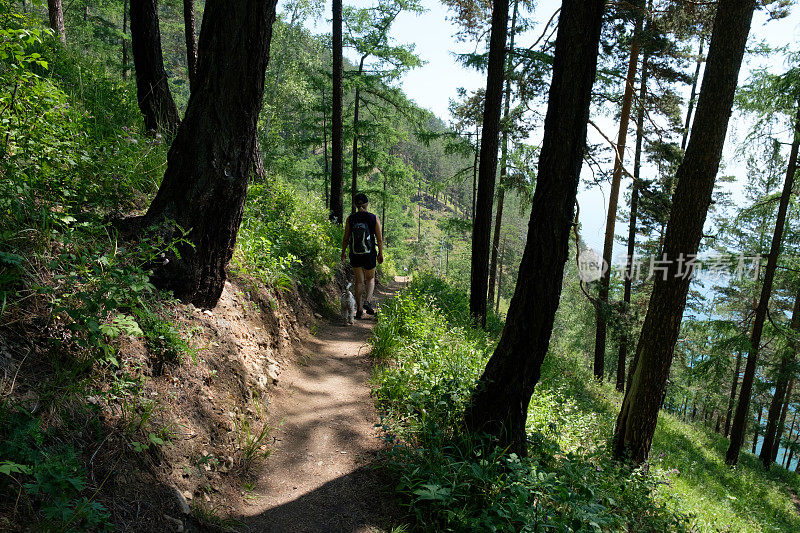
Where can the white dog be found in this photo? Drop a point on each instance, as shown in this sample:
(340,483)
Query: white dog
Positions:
(348,306)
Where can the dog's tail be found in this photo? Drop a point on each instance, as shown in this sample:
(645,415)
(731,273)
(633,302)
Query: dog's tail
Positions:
(348,286)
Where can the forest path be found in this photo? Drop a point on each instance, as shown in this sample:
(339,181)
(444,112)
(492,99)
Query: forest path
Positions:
(318,477)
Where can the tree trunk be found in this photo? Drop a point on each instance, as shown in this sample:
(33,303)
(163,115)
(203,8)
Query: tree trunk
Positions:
(622,356)
(498,220)
(487,167)
(789,441)
(337,178)
(475,173)
(152,89)
(500,400)
(56,14)
(690,107)
(742,408)
(784,377)
(695,183)
(191,42)
(782,422)
(354,182)
(613,197)
(214,151)
(732,398)
(758,427)
(125,40)
(500,277)
(326,170)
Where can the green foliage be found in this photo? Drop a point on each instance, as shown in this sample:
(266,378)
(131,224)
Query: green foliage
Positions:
(569,482)
(37,468)
(286,237)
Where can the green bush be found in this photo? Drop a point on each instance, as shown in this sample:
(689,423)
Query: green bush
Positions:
(285,236)
(569,482)
(42,472)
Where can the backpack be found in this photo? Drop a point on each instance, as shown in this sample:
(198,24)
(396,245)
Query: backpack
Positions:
(360,239)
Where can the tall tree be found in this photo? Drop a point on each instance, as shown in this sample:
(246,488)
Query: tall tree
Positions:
(487,167)
(498,219)
(55,12)
(782,391)
(125,39)
(213,153)
(743,407)
(613,197)
(152,90)
(191,42)
(695,177)
(500,401)
(337,198)
(622,355)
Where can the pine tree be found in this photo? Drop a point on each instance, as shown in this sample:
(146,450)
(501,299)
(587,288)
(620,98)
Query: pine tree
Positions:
(500,401)
(695,183)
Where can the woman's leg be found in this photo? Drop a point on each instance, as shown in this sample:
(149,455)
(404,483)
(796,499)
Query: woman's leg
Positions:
(369,280)
(358,276)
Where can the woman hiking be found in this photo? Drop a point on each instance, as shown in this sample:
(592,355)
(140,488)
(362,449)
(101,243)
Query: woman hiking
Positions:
(362,232)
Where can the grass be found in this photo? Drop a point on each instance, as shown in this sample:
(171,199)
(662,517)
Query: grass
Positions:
(430,359)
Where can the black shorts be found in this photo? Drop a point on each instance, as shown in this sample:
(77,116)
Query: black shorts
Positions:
(365,261)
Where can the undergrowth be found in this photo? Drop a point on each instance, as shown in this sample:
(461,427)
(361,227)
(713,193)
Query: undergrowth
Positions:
(431,361)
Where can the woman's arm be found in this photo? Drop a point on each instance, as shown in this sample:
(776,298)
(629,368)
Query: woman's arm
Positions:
(379,239)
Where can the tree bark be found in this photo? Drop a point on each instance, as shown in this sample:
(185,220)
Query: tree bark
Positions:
(56,15)
(487,166)
(214,151)
(742,408)
(732,397)
(613,198)
(500,401)
(475,173)
(152,89)
(326,169)
(622,356)
(758,427)
(500,277)
(695,183)
(498,220)
(337,177)
(125,40)
(692,95)
(191,42)
(782,422)
(354,180)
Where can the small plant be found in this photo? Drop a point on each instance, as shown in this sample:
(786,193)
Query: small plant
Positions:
(211,518)
(251,436)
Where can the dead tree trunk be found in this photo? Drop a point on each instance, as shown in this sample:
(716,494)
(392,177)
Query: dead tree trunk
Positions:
(499,404)
(692,95)
(695,178)
(742,408)
(213,153)
(152,90)
(487,166)
(613,197)
(622,356)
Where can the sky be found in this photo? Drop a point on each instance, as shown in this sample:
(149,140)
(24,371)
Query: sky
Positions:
(434,84)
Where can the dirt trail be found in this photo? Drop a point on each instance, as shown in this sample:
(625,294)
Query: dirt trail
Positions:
(318,477)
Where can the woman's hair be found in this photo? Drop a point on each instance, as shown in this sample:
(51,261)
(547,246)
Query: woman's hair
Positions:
(361,199)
